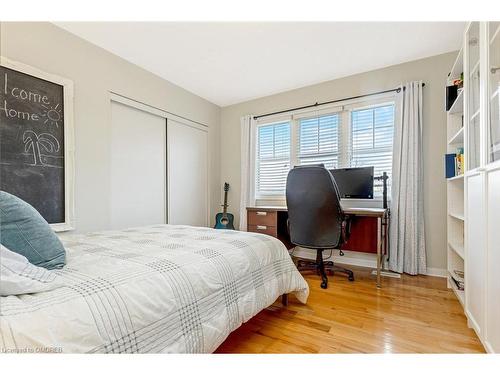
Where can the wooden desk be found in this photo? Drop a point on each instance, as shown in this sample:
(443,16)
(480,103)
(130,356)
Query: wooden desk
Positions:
(271,220)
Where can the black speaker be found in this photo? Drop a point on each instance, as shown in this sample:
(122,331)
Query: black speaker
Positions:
(451,95)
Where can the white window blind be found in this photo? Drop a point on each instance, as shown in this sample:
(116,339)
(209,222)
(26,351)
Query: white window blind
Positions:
(273,158)
(372,132)
(330,139)
(319,141)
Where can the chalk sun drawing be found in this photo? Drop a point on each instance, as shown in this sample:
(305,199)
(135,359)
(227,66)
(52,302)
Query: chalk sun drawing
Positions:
(39,142)
(52,115)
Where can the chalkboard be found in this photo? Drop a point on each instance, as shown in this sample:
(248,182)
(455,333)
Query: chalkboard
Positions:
(32,149)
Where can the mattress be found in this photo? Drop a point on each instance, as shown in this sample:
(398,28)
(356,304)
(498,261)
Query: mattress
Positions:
(156,289)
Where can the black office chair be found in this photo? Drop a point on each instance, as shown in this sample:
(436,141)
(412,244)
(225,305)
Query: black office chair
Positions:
(315,217)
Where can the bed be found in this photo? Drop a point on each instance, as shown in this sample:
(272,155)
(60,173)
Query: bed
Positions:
(164,288)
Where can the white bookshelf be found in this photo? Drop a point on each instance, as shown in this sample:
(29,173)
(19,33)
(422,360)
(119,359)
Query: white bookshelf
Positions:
(456,216)
(473,201)
(457,138)
(457,247)
(459,177)
(455,185)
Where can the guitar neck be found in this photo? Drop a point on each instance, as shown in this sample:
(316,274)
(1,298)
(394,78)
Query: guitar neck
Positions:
(225,203)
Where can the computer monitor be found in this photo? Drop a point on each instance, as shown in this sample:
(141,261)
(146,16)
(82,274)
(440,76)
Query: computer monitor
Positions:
(354,182)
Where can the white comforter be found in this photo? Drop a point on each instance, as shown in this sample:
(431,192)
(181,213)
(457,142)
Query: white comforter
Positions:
(162,288)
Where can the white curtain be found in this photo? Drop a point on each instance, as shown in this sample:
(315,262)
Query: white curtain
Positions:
(407,235)
(247,126)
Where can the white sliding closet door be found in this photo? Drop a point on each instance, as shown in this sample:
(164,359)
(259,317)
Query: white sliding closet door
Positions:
(187,157)
(138,167)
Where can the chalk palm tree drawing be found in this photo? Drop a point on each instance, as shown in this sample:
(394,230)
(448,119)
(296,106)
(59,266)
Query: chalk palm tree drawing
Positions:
(38,143)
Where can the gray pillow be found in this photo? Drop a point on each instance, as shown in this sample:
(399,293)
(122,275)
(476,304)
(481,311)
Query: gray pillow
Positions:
(24,231)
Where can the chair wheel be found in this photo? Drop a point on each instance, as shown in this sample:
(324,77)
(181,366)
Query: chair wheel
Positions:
(324,285)
(351,278)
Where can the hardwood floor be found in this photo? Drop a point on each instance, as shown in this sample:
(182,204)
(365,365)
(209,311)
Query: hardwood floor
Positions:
(414,314)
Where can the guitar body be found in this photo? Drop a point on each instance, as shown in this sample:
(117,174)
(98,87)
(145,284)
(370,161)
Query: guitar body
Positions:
(222,222)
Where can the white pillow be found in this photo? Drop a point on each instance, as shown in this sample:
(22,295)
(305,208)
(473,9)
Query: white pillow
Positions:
(18,276)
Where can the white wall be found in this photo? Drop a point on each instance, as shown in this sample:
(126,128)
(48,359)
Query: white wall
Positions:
(95,73)
(432,71)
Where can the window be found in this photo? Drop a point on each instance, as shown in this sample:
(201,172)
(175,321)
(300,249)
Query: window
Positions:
(372,132)
(318,141)
(354,137)
(273,158)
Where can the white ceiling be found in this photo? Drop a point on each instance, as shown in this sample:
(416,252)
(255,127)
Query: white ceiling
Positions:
(228,63)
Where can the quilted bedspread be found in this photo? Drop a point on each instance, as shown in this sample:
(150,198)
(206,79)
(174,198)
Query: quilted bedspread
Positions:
(164,288)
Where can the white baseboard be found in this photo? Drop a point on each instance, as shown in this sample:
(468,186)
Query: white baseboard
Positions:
(438,272)
(354,258)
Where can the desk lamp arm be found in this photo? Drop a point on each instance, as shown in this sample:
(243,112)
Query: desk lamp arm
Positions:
(384,179)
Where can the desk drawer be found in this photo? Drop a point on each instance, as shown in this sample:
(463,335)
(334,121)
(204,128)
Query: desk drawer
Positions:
(265,229)
(267,218)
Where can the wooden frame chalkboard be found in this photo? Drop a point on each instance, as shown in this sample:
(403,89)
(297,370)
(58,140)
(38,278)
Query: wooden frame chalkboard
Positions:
(36,140)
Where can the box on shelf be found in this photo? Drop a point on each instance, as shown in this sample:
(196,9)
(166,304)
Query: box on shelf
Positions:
(454,164)
(450,165)
(451,96)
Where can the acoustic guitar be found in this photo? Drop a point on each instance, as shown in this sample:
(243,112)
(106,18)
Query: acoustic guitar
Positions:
(224,220)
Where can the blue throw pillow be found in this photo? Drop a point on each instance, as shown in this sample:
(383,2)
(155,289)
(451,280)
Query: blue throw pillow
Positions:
(24,231)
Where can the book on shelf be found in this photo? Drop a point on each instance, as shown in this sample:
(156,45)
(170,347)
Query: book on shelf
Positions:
(449,165)
(458,278)
(454,164)
(458,275)
(460,286)
(459,164)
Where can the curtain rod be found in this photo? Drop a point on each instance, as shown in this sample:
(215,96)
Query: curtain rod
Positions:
(329,102)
